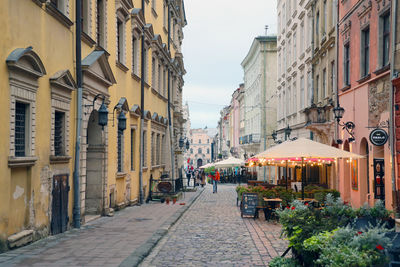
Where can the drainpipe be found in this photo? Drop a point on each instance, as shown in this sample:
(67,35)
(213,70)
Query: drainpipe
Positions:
(142,148)
(169,103)
(312,53)
(76,174)
(336,82)
(391,106)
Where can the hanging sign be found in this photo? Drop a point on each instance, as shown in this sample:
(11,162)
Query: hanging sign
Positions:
(378,137)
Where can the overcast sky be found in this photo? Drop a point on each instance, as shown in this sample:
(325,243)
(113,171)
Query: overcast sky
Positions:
(217,38)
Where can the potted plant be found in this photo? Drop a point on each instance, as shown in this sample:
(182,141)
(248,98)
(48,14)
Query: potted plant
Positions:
(174,200)
(167,200)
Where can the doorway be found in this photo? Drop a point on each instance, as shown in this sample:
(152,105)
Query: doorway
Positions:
(199,163)
(94,166)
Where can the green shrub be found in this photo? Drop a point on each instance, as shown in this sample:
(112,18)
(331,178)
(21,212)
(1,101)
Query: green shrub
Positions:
(283,262)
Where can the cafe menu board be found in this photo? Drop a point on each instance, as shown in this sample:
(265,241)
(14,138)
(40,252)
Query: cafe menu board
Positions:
(379,178)
(249,204)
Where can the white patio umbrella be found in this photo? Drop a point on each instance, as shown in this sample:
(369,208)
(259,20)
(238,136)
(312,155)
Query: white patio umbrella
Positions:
(304,149)
(208,165)
(229,163)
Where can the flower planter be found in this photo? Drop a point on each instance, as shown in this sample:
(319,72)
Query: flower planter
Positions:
(174,200)
(167,201)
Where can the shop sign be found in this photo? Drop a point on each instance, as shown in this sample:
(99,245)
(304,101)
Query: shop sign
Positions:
(378,137)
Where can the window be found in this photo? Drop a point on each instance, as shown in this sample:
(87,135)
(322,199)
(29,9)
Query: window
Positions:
(133,149)
(153,73)
(85,16)
(365,52)
(59,136)
(199,141)
(120,40)
(153,4)
(165,76)
(165,18)
(317,27)
(283,104)
(153,149)
(100,23)
(200,151)
(144,148)
(316,89)
(191,151)
(284,14)
(208,151)
(208,141)
(135,53)
(324,87)
(21,127)
(288,101)
(325,18)
(162,149)
(385,24)
(145,65)
(309,86)
(280,107)
(346,63)
(158,146)
(294,46)
(120,146)
(302,92)
(289,50)
(302,37)
(279,22)
(159,83)
(294,98)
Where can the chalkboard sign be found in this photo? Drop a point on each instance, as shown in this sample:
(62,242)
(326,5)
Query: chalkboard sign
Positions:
(249,204)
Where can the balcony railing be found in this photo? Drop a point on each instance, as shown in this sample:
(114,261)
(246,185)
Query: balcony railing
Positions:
(250,139)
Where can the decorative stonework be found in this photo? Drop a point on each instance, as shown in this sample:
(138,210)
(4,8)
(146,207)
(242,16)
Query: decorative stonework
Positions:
(377,99)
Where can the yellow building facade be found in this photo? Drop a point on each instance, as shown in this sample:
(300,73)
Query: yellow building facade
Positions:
(39,106)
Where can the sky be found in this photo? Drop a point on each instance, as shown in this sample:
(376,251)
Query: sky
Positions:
(216,40)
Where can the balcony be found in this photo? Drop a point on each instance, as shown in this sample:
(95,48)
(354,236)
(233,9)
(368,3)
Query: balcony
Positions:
(250,139)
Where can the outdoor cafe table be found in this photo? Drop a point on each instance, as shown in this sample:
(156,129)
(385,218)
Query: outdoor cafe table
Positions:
(272,202)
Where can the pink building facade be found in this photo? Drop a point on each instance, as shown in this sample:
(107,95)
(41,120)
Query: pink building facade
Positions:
(363,89)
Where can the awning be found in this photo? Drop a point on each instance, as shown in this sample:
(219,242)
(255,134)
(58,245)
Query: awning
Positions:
(229,163)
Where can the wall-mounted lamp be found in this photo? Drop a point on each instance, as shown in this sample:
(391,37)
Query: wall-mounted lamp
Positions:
(121,121)
(182,142)
(287,132)
(349,126)
(103,112)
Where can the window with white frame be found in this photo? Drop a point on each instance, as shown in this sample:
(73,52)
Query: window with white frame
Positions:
(294,46)
(133,143)
(153,149)
(288,109)
(384,38)
(153,73)
(309,86)
(121,38)
(21,129)
(301,92)
(316,97)
(85,9)
(332,75)
(294,100)
(158,145)
(60,5)
(289,51)
(101,23)
(325,18)
(159,82)
(146,67)
(165,15)
(302,37)
(135,54)
(365,52)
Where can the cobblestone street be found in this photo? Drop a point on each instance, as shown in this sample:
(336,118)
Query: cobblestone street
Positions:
(212,233)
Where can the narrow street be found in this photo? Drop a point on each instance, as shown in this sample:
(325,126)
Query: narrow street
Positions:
(212,233)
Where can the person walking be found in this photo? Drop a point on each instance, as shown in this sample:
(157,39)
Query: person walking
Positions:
(188,175)
(203,179)
(216,178)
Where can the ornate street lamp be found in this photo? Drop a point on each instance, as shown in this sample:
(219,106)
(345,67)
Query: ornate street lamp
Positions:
(274,135)
(348,126)
(187,144)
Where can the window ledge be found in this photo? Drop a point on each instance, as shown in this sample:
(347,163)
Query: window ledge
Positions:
(365,78)
(347,87)
(145,169)
(135,77)
(121,175)
(87,39)
(58,15)
(146,85)
(16,162)
(121,66)
(59,159)
(382,69)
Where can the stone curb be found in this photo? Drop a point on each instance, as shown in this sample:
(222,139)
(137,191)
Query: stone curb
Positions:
(144,250)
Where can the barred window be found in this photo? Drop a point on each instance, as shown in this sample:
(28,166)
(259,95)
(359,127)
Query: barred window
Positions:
(120,138)
(20,128)
(132,149)
(59,136)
